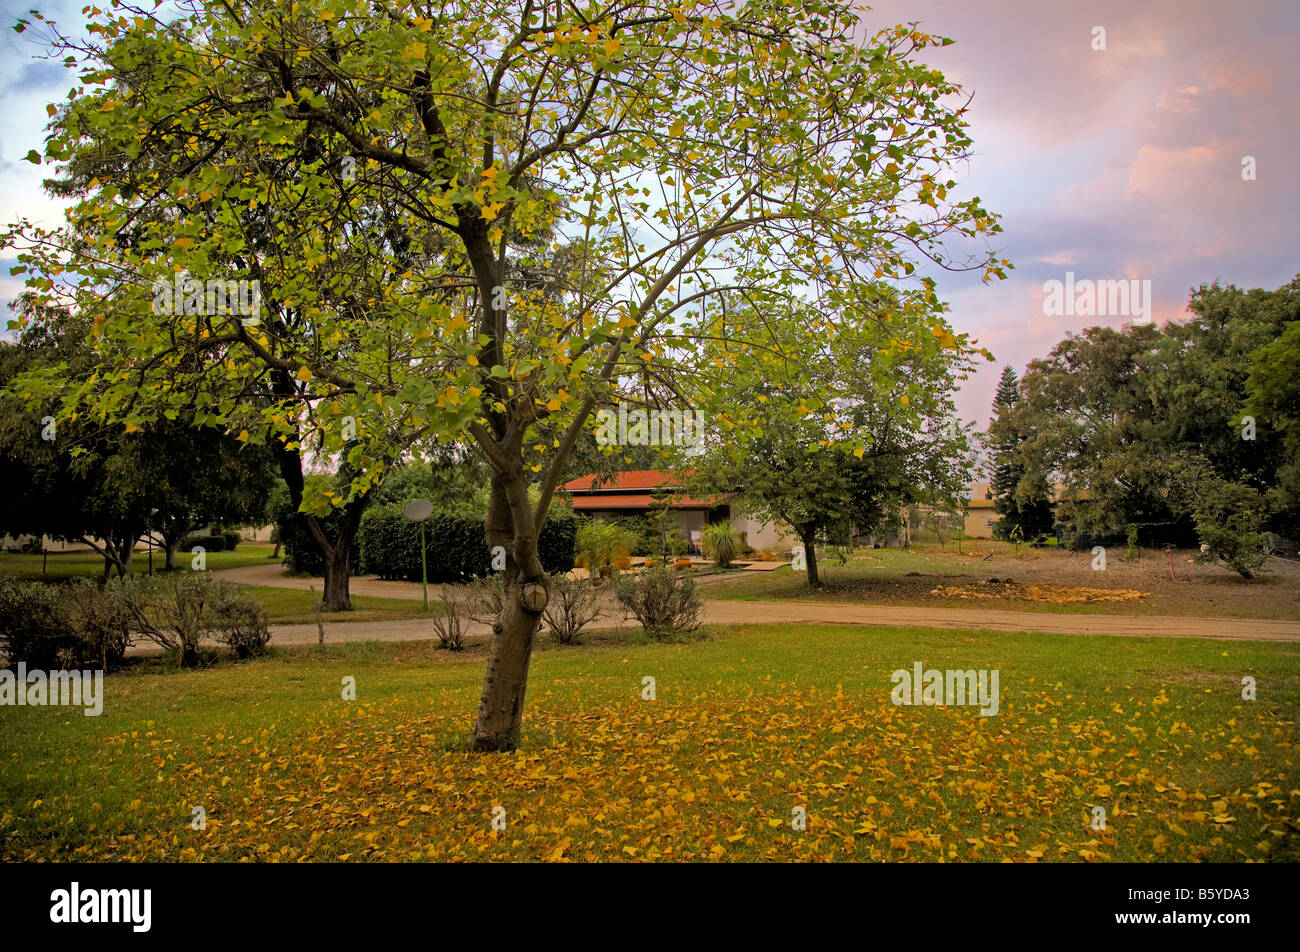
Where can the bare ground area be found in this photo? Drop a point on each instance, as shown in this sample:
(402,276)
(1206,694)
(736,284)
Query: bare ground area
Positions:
(991,576)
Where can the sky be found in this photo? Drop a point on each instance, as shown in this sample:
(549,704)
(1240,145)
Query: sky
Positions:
(1122,163)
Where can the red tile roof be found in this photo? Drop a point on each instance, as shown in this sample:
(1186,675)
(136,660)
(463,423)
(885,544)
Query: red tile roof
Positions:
(631,490)
(629,480)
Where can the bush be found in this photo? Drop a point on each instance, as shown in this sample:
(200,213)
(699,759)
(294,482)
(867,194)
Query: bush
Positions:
(101,625)
(237,621)
(600,544)
(574,604)
(175,612)
(34,625)
(719,543)
(232,540)
(662,600)
(211,542)
(448,626)
(486,599)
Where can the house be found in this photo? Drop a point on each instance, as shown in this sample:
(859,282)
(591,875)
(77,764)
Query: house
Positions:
(979,512)
(632,493)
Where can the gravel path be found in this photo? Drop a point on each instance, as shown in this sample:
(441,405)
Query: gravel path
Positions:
(788,612)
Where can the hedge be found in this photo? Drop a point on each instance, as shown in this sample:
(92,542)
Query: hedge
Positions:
(456,546)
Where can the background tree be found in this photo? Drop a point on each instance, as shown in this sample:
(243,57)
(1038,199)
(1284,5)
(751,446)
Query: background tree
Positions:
(831,468)
(1018,500)
(1144,427)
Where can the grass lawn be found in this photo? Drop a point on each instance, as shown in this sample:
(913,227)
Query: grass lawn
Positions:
(67,564)
(288,606)
(746,726)
(1031,580)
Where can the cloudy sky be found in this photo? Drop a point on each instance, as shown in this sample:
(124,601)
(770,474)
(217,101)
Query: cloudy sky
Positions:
(1119,164)
(1122,163)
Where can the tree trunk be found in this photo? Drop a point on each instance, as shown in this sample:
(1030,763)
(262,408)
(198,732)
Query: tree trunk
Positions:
(510,523)
(338,570)
(501,709)
(810,556)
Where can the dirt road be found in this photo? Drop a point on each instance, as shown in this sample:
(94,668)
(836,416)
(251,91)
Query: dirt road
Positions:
(794,612)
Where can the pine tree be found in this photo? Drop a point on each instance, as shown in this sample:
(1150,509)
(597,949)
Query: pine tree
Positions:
(1003,440)
(1034,516)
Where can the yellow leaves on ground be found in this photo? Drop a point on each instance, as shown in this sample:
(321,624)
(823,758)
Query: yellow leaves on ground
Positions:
(1048,594)
(709,775)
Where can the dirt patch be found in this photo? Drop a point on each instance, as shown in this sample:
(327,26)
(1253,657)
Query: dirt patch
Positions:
(1051,594)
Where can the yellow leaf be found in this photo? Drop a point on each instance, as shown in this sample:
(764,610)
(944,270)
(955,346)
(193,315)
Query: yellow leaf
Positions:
(243,436)
(612,46)
(304,374)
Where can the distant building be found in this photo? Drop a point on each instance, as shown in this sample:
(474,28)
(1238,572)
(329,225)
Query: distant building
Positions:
(979,512)
(632,493)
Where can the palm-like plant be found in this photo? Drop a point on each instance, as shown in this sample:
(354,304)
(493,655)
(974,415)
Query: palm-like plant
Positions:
(719,543)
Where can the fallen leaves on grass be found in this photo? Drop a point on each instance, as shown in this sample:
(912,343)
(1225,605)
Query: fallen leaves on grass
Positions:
(1053,594)
(708,777)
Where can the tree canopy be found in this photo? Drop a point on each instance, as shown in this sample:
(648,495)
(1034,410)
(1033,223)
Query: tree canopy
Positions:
(480,222)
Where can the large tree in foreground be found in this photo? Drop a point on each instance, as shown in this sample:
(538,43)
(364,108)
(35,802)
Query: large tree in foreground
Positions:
(684,153)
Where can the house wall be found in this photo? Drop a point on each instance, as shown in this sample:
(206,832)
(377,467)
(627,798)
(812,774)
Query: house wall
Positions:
(762,535)
(979,523)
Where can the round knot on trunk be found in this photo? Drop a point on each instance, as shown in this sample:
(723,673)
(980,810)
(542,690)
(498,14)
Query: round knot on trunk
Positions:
(534,596)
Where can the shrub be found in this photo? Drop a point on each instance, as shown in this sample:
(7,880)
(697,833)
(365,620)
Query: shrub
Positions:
(237,621)
(211,542)
(719,543)
(448,626)
(599,543)
(574,604)
(176,610)
(487,598)
(389,544)
(100,623)
(557,543)
(662,600)
(34,625)
(232,539)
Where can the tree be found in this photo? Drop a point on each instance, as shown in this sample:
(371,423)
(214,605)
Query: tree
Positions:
(1019,501)
(1145,427)
(377,168)
(108,486)
(829,467)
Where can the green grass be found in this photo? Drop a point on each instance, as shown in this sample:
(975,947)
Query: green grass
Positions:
(746,725)
(68,564)
(288,606)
